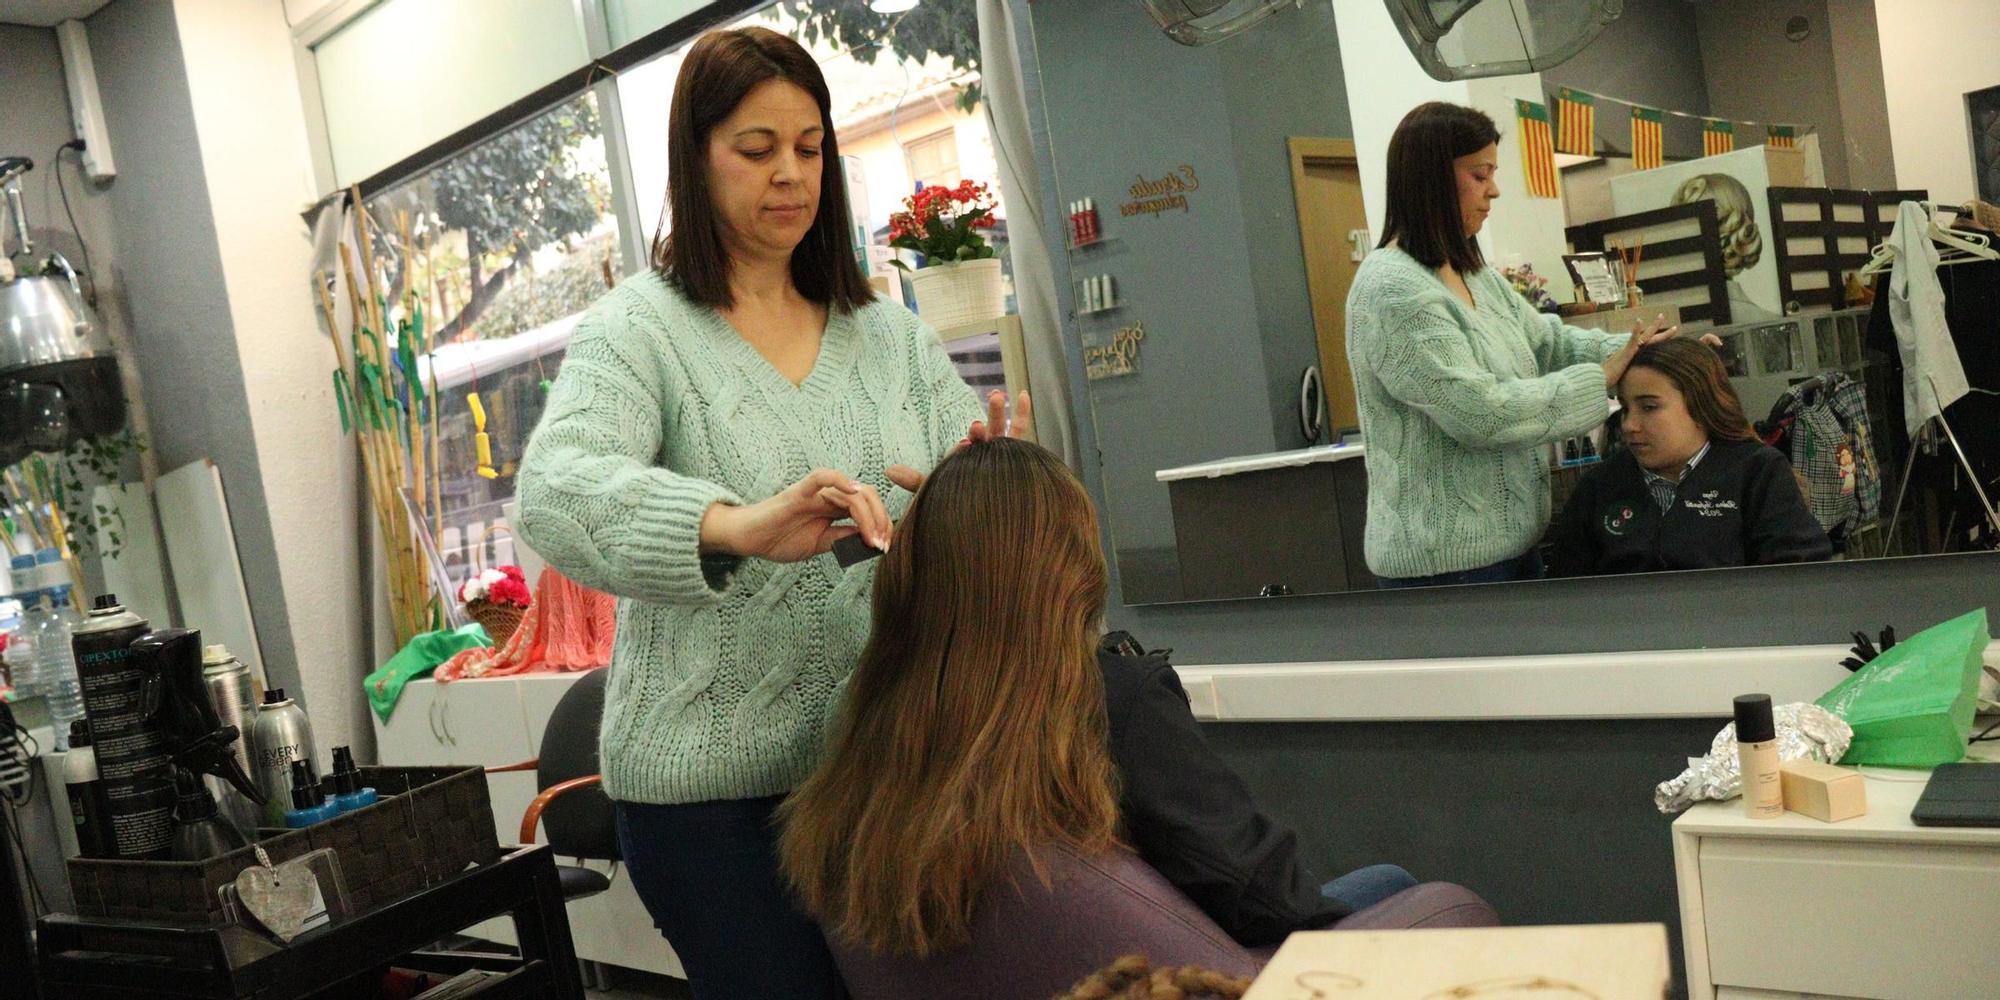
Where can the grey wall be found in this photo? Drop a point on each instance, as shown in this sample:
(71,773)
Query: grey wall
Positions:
(171,270)
(1651,55)
(1755,72)
(1221,288)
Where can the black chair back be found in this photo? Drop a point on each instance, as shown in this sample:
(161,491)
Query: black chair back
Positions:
(580,823)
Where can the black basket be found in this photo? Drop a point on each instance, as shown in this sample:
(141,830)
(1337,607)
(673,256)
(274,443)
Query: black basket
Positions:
(429,824)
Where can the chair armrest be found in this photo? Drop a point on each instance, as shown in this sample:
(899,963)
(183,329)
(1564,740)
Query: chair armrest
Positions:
(526,765)
(533,817)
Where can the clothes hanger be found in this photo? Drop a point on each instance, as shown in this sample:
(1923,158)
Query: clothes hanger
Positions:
(1958,246)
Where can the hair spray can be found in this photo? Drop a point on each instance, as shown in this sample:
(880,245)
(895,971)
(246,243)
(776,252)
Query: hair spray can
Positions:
(228,684)
(280,734)
(132,752)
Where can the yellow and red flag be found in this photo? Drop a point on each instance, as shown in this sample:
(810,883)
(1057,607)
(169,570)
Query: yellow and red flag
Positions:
(1538,149)
(1718,136)
(1649,146)
(1781,137)
(1578,135)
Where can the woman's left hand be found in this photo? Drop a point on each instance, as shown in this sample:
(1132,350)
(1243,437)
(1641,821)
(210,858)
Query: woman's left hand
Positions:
(1711,340)
(1021,426)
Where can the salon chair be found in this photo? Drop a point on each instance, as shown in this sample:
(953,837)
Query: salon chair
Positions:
(1032,941)
(572,807)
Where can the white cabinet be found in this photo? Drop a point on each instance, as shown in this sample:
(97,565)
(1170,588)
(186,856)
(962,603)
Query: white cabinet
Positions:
(498,721)
(1872,907)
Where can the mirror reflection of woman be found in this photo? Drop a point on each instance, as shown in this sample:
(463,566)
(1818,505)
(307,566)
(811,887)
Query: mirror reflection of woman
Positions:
(1461,383)
(1693,488)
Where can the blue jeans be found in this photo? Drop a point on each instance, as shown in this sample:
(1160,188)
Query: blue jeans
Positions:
(1364,887)
(708,874)
(1521,567)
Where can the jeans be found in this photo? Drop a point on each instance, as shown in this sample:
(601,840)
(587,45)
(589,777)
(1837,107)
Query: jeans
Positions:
(708,874)
(1522,567)
(1364,887)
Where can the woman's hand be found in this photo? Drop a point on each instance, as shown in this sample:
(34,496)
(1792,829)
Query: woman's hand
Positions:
(1657,331)
(798,523)
(1022,425)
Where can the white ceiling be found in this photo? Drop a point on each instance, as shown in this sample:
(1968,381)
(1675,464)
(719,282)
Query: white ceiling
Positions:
(46,13)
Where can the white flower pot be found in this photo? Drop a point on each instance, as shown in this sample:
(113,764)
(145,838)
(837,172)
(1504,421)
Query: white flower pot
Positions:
(959,294)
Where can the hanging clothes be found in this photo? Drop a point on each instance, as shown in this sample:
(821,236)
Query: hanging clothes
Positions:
(1832,447)
(1932,376)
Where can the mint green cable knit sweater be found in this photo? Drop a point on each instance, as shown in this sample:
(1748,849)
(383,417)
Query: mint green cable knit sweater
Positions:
(1455,406)
(725,670)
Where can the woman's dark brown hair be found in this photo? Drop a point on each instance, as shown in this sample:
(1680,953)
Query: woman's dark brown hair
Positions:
(721,68)
(974,725)
(1423,215)
(1694,369)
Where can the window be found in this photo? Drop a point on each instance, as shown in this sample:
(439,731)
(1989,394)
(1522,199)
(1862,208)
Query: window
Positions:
(933,159)
(503,246)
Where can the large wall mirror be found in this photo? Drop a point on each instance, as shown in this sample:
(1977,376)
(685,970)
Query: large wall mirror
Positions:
(1226,193)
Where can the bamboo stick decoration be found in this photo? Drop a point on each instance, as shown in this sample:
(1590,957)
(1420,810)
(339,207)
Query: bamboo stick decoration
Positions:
(382,403)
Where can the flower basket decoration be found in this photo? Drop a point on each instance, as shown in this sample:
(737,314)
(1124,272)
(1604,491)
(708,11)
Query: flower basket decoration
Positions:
(958,281)
(496,599)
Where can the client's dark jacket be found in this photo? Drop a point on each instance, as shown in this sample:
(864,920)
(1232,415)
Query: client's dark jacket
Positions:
(1190,817)
(1740,506)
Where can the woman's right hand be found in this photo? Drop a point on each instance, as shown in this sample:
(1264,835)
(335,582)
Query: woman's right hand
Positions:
(798,523)
(1642,334)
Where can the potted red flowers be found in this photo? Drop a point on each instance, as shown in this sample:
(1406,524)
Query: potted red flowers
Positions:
(496,599)
(958,281)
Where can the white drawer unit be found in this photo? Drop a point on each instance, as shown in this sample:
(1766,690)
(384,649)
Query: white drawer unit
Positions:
(1873,907)
(499,721)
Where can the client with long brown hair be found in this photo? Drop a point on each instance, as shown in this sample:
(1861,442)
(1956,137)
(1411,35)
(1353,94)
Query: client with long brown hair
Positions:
(987,717)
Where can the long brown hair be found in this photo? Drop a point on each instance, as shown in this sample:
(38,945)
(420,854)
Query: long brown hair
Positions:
(721,68)
(974,724)
(1694,369)
(1423,215)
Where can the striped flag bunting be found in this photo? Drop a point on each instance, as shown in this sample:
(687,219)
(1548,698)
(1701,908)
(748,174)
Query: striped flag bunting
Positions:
(1718,136)
(1578,117)
(1538,149)
(1781,136)
(1649,145)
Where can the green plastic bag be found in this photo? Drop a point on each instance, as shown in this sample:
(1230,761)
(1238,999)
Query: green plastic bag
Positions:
(425,653)
(1912,706)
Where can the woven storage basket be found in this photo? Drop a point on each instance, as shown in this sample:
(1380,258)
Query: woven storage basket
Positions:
(499,620)
(430,823)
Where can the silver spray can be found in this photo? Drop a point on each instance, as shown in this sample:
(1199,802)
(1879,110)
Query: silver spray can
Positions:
(228,684)
(280,734)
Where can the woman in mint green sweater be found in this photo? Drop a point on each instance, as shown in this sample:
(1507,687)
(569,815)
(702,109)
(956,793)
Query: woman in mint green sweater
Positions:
(1460,382)
(715,420)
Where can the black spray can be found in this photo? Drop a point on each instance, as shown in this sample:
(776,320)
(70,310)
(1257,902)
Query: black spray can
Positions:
(132,752)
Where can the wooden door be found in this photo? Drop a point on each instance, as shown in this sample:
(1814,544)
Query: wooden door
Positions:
(1333,225)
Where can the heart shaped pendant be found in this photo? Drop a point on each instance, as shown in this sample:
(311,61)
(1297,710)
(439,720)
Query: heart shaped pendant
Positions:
(281,897)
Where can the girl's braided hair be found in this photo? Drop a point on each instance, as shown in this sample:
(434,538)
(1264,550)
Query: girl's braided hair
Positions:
(1133,978)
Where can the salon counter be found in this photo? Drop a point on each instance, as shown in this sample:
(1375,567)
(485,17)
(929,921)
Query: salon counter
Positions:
(1287,522)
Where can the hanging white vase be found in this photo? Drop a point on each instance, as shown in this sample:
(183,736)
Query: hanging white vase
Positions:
(960,293)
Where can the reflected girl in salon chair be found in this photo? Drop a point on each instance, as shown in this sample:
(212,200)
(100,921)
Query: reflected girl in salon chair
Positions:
(987,716)
(1693,487)
(1461,383)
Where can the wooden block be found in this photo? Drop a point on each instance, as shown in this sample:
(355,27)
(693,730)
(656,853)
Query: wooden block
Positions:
(1607,962)
(1824,792)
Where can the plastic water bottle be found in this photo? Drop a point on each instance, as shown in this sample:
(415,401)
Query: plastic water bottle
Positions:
(52,621)
(20,652)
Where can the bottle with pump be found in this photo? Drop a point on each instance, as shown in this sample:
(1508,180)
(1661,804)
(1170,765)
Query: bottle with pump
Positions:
(348,792)
(200,832)
(1757,757)
(308,806)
